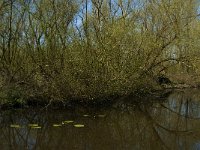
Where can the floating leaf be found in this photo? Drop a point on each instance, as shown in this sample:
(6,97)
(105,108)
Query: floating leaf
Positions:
(32,125)
(85,115)
(68,121)
(57,125)
(101,116)
(15,126)
(79,125)
(36,127)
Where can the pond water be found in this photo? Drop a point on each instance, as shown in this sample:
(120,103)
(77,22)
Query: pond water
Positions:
(146,123)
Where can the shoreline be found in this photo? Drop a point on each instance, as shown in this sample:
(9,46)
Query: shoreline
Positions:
(97,103)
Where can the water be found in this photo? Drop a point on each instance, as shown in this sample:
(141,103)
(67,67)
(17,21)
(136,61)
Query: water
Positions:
(146,123)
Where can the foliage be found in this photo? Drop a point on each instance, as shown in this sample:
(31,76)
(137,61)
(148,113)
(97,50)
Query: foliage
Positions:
(60,50)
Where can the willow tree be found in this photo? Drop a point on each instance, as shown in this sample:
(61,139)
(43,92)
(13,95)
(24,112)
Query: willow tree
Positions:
(92,49)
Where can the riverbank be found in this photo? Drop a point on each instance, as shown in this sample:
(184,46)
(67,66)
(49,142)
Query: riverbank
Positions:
(40,102)
(46,96)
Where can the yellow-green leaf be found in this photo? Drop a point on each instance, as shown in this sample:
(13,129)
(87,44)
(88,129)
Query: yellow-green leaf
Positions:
(79,125)
(68,121)
(32,125)
(57,125)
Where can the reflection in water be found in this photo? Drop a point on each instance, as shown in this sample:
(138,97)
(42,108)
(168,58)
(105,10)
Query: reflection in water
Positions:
(170,124)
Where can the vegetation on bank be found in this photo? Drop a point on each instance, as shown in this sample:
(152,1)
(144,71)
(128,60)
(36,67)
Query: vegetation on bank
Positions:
(62,50)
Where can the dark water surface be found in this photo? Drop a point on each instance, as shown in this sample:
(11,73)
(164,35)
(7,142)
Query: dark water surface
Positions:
(133,124)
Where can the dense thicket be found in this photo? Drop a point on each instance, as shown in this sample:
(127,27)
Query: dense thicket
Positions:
(89,49)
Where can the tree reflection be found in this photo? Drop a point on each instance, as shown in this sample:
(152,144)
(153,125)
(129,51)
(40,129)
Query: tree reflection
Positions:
(172,124)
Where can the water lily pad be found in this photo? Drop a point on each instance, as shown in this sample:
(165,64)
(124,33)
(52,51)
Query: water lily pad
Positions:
(68,121)
(79,125)
(57,125)
(15,126)
(32,125)
(36,127)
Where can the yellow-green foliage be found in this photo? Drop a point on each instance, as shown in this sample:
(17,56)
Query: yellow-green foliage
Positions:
(60,50)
